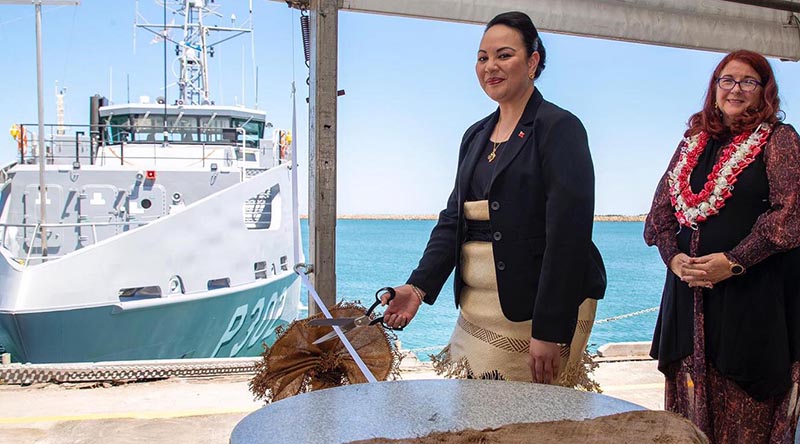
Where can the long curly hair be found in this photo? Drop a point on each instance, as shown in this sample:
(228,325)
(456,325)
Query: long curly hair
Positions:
(709,119)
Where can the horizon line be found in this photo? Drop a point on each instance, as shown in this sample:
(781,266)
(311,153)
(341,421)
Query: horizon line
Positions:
(597,217)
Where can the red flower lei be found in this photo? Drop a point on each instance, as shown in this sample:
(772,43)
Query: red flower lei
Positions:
(692,208)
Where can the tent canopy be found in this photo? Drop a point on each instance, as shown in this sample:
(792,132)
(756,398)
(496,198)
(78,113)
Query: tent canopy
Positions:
(714,25)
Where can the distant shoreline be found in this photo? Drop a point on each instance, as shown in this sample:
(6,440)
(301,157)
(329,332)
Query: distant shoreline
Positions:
(597,218)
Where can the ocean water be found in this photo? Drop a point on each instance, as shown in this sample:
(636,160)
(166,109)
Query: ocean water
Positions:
(371,254)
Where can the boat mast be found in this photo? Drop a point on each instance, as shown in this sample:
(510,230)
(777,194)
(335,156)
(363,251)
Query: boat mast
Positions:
(193,83)
(193,49)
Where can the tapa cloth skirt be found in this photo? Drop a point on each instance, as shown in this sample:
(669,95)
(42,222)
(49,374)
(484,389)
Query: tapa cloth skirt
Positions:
(484,343)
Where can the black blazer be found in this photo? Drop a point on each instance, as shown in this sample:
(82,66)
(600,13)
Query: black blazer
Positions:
(541,209)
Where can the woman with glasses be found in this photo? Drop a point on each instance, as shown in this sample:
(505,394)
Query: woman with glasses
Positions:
(726,221)
(517,229)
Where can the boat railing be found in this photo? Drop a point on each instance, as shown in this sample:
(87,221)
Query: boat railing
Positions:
(86,144)
(4,172)
(29,247)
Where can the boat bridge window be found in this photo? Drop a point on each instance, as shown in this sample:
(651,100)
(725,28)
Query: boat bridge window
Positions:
(138,128)
(217,130)
(183,130)
(118,129)
(253,131)
(149,129)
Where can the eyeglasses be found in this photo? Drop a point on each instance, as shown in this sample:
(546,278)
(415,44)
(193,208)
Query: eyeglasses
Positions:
(746,85)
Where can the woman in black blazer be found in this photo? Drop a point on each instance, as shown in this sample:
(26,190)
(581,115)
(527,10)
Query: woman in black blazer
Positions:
(517,228)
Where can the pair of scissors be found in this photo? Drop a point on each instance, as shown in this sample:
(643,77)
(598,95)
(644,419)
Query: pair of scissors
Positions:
(347,324)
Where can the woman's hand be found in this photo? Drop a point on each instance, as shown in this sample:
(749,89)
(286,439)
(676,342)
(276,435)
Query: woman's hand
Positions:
(402,308)
(545,360)
(681,265)
(677,263)
(707,270)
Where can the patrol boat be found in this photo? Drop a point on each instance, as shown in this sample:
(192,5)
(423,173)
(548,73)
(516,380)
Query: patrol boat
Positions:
(157,231)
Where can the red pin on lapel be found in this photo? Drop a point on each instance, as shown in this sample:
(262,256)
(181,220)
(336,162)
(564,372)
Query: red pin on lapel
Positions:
(521,134)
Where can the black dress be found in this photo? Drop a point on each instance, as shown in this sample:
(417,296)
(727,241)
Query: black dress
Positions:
(743,314)
(745,327)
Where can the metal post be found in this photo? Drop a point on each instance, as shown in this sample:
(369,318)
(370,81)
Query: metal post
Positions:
(322,149)
(78,135)
(42,157)
(122,148)
(22,145)
(40,97)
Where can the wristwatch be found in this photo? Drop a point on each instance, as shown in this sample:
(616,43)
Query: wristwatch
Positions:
(736,269)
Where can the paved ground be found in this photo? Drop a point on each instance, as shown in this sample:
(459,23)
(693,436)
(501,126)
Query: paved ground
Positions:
(203,410)
(639,382)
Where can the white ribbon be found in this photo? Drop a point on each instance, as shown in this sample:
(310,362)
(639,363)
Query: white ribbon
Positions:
(298,252)
(359,362)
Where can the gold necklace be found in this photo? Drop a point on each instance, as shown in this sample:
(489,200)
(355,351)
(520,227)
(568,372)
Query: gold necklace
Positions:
(493,154)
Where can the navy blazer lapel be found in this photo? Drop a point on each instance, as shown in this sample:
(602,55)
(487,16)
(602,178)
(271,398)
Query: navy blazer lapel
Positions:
(521,134)
(474,150)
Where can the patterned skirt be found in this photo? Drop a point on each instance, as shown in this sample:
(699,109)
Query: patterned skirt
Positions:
(486,345)
(717,404)
(730,415)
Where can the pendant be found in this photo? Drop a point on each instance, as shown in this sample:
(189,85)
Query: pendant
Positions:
(493,154)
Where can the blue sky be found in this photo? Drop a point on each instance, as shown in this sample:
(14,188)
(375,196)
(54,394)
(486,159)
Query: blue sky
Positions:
(410,87)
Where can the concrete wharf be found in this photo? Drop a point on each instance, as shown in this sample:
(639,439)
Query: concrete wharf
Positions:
(203,410)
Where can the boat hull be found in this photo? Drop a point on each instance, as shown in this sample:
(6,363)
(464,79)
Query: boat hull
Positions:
(223,323)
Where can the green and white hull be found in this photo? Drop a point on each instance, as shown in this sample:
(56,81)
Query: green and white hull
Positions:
(220,324)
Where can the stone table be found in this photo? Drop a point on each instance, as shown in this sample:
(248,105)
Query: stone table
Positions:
(403,409)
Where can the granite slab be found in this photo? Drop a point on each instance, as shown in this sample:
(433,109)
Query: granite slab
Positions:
(402,409)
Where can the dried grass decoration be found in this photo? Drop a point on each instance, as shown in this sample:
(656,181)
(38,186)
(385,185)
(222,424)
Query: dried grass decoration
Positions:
(294,365)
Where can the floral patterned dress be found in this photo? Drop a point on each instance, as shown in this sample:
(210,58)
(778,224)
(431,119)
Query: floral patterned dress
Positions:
(731,354)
